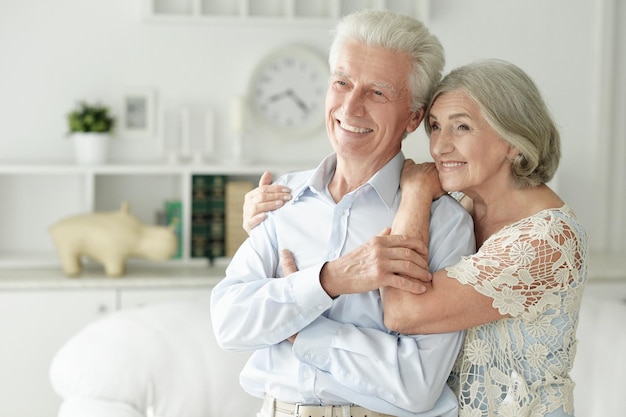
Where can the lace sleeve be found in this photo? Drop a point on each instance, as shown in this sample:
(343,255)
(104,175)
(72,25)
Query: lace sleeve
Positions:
(525,267)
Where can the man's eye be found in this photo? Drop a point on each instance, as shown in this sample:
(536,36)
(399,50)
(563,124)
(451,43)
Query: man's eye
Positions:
(340,85)
(378,96)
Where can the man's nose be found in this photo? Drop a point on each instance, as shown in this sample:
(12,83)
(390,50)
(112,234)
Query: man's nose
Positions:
(353,104)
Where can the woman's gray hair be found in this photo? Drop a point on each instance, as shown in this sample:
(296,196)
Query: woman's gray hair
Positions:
(399,33)
(512,105)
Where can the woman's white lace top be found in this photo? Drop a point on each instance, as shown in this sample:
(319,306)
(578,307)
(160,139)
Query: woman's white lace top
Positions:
(535,271)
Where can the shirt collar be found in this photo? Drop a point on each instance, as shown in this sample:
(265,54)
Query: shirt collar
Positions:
(385,182)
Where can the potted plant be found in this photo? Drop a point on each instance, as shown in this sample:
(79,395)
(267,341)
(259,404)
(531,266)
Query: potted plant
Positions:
(90,128)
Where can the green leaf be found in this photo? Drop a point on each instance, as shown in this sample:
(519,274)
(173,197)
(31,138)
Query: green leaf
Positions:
(90,118)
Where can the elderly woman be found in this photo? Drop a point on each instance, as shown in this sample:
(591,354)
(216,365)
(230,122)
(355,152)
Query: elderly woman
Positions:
(493,139)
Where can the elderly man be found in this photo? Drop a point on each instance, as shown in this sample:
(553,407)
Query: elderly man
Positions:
(321,347)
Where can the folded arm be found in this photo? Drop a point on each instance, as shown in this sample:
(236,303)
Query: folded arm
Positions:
(407,371)
(447,305)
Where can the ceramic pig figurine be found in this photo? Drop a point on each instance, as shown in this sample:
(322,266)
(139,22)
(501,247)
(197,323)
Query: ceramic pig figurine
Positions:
(110,238)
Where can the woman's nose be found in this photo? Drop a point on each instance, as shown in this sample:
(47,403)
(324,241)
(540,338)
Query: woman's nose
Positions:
(441,143)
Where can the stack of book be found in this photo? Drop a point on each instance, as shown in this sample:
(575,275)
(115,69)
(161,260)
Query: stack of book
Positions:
(216,216)
(235,233)
(208,233)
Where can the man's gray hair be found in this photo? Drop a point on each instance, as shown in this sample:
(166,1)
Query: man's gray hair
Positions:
(398,33)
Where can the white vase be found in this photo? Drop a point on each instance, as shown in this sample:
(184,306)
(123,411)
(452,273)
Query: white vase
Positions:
(91,148)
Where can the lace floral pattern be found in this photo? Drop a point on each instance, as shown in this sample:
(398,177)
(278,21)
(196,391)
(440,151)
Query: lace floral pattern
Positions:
(535,271)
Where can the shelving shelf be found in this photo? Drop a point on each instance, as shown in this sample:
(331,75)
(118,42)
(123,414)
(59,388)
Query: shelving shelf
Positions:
(271,11)
(138,275)
(36,195)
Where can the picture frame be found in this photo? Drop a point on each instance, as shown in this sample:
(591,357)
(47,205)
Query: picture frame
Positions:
(137,113)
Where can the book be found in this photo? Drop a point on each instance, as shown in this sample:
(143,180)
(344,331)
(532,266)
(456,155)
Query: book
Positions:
(235,234)
(174,217)
(207,216)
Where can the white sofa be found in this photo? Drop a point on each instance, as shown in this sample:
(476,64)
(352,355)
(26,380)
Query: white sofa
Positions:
(154,361)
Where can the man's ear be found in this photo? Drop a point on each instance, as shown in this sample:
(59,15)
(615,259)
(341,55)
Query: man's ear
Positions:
(416,119)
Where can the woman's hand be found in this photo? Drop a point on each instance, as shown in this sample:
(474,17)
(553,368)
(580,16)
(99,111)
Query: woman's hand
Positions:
(420,186)
(421,178)
(266,197)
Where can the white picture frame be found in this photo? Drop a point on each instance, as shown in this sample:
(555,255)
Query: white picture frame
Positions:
(138,113)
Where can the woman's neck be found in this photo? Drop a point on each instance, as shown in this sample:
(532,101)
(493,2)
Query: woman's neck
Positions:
(496,211)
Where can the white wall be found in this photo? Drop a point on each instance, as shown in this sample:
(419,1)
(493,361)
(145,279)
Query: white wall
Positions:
(53,53)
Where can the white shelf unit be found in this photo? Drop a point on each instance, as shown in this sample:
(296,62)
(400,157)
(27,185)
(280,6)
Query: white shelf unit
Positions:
(35,196)
(273,11)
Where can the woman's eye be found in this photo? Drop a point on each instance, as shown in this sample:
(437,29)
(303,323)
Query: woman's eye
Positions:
(463,127)
(434,126)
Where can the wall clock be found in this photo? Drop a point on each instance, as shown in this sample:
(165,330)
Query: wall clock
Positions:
(287,91)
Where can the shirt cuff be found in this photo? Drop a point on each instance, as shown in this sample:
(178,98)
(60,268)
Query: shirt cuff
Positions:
(308,292)
(313,343)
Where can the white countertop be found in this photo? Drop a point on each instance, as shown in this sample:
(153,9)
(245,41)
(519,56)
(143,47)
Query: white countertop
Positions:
(602,269)
(136,276)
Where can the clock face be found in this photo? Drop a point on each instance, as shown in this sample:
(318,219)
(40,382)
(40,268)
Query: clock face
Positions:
(287,91)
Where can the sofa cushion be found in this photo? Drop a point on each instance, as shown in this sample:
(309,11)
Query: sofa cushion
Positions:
(159,360)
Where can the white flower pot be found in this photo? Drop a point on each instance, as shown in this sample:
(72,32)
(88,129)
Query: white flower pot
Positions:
(91,148)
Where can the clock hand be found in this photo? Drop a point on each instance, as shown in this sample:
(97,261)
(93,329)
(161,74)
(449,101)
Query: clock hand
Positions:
(278,96)
(298,100)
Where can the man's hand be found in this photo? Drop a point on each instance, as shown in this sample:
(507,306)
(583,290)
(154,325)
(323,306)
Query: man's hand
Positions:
(383,261)
(288,264)
(266,197)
